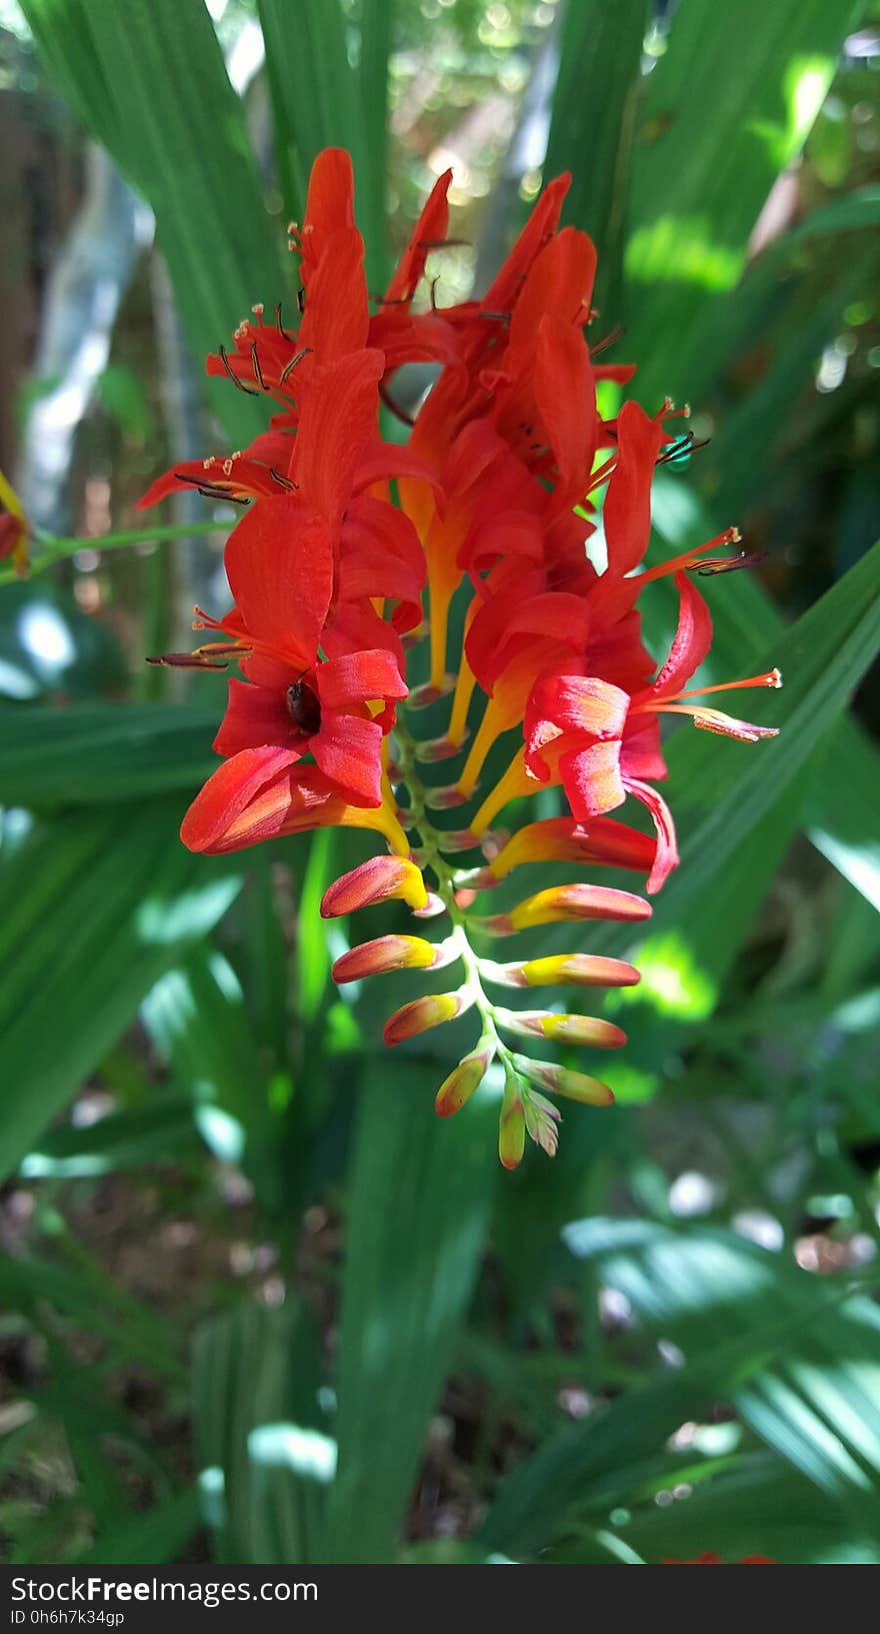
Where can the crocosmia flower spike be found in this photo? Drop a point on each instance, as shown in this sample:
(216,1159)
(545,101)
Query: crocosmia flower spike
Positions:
(344,602)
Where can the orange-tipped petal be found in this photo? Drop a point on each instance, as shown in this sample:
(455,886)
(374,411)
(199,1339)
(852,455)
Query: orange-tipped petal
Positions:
(383,954)
(592,1031)
(568,902)
(573,1086)
(420,1015)
(463,1081)
(379,879)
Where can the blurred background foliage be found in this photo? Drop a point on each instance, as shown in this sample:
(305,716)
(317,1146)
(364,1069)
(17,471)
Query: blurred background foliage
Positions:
(259,1306)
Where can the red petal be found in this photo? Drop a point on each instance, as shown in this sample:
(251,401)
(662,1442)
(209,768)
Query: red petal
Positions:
(337,316)
(348,751)
(430,227)
(566,396)
(380,555)
(337,426)
(279,564)
(691,642)
(592,781)
(354,678)
(627,514)
(257,716)
(329,205)
(666,857)
(228,792)
(503,291)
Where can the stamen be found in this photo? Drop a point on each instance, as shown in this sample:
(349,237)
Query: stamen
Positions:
(211,490)
(233,376)
(611,339)
(283,482)
(771,678)
(255,365)
(279,325)
(187,660)
(689,558)
(289,367)
(730,564)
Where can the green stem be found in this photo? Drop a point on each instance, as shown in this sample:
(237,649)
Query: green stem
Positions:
(416,816)
(54,549)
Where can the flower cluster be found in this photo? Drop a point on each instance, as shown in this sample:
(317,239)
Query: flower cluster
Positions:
(497,490)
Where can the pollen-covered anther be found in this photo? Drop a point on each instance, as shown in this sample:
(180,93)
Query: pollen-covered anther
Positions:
(380,879)
(562,970)
(573,1086)
(386,953)
(568,902)
(591,1031)
(434,749)
(462,1083)
(420,1015)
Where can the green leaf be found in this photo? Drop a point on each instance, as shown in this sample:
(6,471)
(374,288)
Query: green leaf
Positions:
(156,1536)
(265,1457)
(728,106)
(149,81)
(95,753)
(417,1217)
(591,130)
(196,1019)
(93,908)
(319,101)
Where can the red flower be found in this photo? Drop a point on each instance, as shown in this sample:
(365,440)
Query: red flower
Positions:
(497,495)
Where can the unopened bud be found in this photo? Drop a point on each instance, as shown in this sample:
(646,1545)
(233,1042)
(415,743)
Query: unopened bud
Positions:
(589,1030)
(601,842)
(574,1086)
(463,1081)
(568,902)
(380,879)
(420,1015)
(383,954)
(563,970)
(512,1127)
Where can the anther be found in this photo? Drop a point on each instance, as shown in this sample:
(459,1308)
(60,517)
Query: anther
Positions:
(233,376)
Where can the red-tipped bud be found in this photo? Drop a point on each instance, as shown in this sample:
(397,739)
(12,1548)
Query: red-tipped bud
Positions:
(574,1086)
(463,1081)
(602,842)
(592,1031)
(568,902)
(422,1014)
(386,953)
(563,970)
(380,879)
(435,749)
